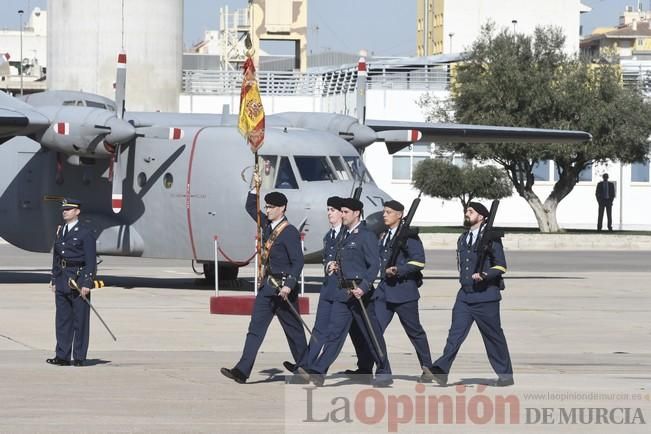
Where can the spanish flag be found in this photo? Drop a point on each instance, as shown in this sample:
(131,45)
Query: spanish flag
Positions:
(251,121)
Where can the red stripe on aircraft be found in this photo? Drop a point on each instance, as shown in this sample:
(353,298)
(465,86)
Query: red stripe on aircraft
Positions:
(122,58)
(62,128)
(176,134)
(188,191)
(416,135)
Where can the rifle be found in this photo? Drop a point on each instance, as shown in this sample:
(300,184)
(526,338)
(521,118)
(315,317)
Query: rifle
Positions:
(367,321)
(404,230)
(487,236)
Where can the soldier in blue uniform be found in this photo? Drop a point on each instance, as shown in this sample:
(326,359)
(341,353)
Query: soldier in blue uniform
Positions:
(328,291)
(283,261)
(356,268)
(478,301)
(398,292)
(74,257)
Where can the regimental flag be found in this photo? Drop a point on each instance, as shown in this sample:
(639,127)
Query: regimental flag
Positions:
(251,121)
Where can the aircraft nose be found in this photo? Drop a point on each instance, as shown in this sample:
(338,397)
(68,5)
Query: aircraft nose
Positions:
(121,131)
(375,222)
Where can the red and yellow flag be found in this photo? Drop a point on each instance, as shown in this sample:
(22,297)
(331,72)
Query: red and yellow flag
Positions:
(251,121)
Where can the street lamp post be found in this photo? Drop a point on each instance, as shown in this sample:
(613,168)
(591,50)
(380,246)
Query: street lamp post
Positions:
(514,22)
(20,15)
(451,34)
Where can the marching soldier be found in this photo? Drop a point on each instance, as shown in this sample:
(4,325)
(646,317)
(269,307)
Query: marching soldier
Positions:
(356,268)
(74,257)
(398,292)
(478,301)
(328,292)
(283,260)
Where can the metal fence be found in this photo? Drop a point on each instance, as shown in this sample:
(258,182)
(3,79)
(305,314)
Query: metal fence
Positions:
(322,83)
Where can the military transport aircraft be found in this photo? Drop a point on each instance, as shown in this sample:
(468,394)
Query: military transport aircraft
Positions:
(164,185)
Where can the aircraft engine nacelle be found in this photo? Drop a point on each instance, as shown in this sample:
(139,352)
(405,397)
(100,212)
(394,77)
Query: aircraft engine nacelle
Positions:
(84,131)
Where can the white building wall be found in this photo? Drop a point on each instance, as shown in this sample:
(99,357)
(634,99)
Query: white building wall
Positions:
(577,211)
(83,56)
(465,18)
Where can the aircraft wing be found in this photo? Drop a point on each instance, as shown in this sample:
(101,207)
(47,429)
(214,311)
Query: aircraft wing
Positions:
(460,133)
(18,118)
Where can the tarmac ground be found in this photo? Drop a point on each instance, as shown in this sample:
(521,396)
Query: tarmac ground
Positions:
(577,324)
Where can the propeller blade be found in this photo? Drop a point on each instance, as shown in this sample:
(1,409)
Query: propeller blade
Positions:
(116,183)
(361,90)
(121,84)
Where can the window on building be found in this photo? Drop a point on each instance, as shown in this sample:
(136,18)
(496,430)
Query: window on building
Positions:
(405,161)
(541,170)
(584,176)
(314,169)
(640,172)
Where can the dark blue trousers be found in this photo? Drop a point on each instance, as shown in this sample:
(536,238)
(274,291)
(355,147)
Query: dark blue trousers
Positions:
(320,335)
(409,318)
(72,320)
(487,317)
(341,318)
(264,309)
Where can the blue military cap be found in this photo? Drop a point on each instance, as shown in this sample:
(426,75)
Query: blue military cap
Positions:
(335,202)
(352,204)
(69,203)
(481,209)
(394,205)
(275,198)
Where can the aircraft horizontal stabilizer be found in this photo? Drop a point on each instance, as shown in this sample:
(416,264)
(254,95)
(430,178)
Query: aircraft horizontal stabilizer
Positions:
(459,133)
(18,118)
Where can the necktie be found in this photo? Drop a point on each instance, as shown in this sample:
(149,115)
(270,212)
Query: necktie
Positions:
(606,190)
(65,231)
(387,240)
(332,234)
(346,234)
(470,239)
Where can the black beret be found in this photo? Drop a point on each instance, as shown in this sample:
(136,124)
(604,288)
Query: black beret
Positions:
(352,204)
(394,205)
(335,202)
(276,199)
(69,203)
(481,209)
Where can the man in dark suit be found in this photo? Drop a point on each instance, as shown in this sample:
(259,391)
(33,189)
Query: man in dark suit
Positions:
(74,257)
(283,260)
(356,268)
(478,301)
(398,292)
(605,194)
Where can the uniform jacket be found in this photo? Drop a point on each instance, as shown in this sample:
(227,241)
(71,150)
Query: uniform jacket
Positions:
(359,259)
(286,255)
(410,261)
(78,246)
(600,192)
(329,288)
(494,266)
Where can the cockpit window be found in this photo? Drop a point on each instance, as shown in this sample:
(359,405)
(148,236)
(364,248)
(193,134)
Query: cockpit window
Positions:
(267,167)
(95,104)
(72,102)
(314,168)
(286,178)
(357,169)
(340,168)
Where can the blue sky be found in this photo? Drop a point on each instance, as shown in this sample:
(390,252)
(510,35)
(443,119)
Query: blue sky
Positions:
(385,27)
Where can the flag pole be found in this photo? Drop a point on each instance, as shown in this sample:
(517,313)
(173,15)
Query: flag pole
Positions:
(258,237)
